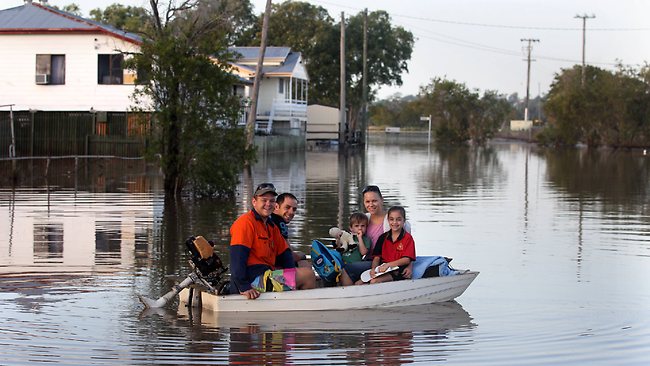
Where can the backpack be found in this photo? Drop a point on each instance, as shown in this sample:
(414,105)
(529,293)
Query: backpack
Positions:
(327,262)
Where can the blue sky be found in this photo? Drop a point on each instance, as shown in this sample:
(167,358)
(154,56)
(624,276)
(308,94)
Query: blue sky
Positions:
(478,43)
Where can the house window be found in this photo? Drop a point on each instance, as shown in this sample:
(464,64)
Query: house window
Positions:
(281,86)
(110,69)
(50,69)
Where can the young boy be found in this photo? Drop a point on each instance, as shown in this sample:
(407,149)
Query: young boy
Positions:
(393,248)
(358,225)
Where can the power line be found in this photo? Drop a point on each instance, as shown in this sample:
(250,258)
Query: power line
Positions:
(488,25)
(505,26)
(482,47)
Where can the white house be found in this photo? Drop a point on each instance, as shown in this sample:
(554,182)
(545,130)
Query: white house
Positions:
(64,79)
(55,61)
(282,99)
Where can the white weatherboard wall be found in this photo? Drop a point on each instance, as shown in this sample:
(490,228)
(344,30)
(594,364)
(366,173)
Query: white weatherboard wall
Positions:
(81,92)
(268,92)
(299,71)
(520,125)
(322,122)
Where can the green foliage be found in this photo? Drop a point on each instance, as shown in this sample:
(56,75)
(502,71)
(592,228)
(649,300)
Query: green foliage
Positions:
(310,30)
(389,49)
(70,8)
(234,19)
(612,108)
(458,114)
(195,119)
(127,18)
(216,166)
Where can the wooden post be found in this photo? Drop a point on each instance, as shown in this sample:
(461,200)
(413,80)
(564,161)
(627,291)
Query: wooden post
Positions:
(364,83)
(252,116)
(342,114)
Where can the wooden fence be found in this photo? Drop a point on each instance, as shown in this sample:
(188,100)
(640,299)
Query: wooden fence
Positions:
(42,134)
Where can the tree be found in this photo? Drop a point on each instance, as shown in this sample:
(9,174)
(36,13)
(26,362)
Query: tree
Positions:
(311,30)
(458,114)
(190,90)
(492,112)
(308,29)
(70,8)
(127,18)
(389,49)
(237,21)
(611,108)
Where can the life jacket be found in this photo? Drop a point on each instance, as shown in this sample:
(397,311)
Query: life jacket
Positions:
(327,262)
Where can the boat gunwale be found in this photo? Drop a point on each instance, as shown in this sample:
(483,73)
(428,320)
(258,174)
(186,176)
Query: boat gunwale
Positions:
(378,295)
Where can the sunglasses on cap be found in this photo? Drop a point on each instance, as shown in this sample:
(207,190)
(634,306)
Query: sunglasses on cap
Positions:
(371,189)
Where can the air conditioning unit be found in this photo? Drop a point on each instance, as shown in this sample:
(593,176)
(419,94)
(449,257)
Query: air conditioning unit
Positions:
(42,79)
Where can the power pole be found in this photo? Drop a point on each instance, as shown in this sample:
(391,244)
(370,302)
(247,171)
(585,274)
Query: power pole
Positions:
(342,113)
(252,116)
(584,18)
(364,83)
(529,49)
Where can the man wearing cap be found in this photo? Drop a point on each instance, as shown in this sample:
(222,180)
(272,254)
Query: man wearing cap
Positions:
(260,258)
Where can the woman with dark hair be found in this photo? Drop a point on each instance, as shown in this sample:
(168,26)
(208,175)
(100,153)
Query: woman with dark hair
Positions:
(378,224)
(373,202)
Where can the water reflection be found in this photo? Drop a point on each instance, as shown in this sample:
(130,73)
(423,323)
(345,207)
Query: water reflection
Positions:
(454,170)
(385,337)
(561,238)
(618,178)
(84,174)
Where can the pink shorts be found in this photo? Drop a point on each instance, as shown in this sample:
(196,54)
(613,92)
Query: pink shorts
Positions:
(276,281)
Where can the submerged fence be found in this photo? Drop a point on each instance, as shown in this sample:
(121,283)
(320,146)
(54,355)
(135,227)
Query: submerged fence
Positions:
(41,134)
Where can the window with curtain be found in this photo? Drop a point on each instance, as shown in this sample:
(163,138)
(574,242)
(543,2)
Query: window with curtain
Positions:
(110,69)
(50,69)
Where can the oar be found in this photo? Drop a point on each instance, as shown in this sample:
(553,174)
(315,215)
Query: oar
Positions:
(163,300)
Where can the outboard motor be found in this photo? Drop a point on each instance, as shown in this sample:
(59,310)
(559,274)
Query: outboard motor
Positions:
(207,263)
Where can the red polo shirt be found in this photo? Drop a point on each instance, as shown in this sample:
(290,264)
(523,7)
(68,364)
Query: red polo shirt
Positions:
(390,251)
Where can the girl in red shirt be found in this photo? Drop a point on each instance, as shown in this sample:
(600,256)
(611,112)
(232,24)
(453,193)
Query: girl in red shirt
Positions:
(394,248)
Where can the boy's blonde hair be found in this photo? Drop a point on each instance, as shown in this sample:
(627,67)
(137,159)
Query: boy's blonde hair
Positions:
(358,218)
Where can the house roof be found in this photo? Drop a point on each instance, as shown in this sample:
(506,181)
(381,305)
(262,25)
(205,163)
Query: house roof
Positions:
(278,61)
(249,55)
(40,19)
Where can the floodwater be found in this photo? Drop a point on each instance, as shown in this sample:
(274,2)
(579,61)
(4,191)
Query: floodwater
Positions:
(561,238)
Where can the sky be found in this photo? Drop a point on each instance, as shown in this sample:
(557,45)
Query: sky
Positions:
(479,42)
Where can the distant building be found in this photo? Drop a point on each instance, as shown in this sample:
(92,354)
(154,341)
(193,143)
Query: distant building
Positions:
(283,92)
(520,125)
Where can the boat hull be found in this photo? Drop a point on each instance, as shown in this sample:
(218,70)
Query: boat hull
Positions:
(382,295)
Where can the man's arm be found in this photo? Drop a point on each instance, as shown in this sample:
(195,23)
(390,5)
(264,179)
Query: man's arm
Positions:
(238,259)
(285,259)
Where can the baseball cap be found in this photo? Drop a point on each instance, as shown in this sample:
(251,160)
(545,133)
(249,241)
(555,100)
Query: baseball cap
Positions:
(265,188)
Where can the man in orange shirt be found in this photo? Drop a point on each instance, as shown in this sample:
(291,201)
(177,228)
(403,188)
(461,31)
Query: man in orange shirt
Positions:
(260,258)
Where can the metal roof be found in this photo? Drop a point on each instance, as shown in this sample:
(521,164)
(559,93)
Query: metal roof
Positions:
(286,59)
(251,54)
(37,18)
(286,67)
